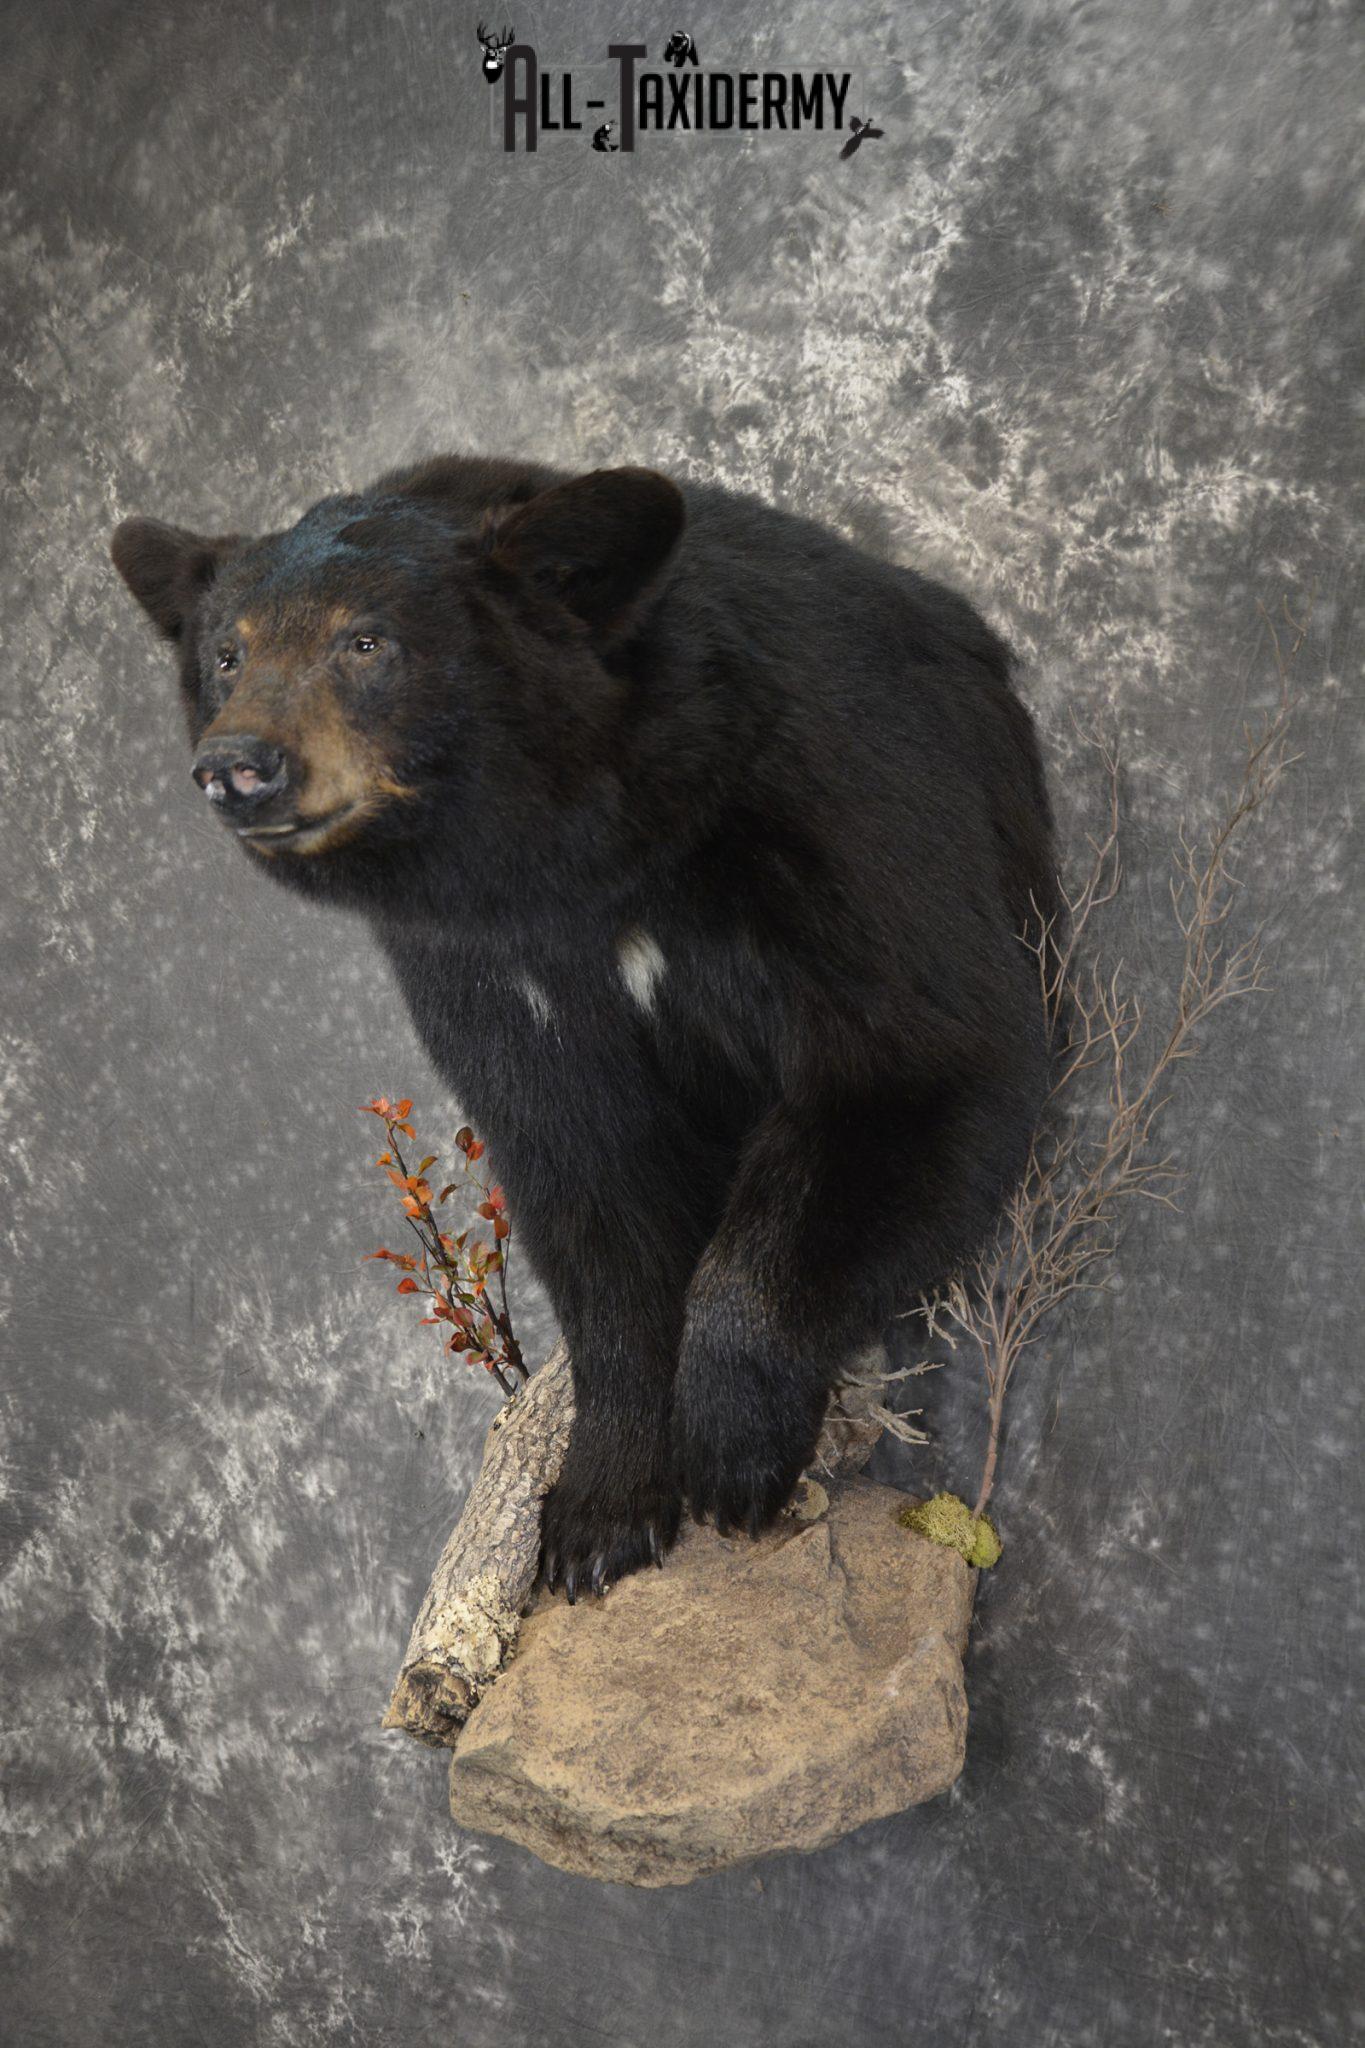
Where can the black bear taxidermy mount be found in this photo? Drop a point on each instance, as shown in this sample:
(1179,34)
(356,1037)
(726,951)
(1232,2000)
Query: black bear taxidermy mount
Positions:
(702,845)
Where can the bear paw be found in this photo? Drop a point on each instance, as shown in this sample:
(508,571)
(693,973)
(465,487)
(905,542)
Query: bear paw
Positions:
(743,1433)
(601,1522)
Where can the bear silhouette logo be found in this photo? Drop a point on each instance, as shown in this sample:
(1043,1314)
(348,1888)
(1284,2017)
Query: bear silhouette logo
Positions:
(680,50)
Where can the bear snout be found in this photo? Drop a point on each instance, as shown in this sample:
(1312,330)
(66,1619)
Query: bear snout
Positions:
(240,773)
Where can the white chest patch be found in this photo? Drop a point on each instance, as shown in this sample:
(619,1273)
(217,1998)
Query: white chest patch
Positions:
(641,964)
(536,1000)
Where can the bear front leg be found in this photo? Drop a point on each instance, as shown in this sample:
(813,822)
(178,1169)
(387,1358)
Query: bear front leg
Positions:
(613,1207)
(842,1212)
(616,1504)
(612,1191)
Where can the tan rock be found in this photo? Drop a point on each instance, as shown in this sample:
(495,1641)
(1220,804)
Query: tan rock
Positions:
(749,1698)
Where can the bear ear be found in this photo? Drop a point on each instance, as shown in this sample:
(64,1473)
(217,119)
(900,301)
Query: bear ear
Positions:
(167,568)
(594,543)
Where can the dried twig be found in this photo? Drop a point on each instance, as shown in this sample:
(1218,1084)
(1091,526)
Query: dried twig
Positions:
(1096,1149)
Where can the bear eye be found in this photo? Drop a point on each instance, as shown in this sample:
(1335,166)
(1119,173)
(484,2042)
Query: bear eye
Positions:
(225,660)
(364,643)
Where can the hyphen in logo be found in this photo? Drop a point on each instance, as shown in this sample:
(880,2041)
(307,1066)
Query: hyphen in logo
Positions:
(537,102)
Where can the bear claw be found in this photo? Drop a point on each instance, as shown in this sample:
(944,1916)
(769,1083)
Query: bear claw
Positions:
(591,1540)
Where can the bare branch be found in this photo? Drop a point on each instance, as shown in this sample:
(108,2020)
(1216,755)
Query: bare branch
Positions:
(1095,1151)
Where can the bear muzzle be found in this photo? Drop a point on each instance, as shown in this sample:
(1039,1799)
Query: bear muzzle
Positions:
(252,784)
(247,780)
(239,773)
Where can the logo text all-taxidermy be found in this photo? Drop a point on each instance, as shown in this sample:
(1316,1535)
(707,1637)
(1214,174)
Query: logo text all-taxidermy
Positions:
(536,101)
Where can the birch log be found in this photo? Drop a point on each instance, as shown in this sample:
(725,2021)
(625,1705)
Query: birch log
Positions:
(468,1623)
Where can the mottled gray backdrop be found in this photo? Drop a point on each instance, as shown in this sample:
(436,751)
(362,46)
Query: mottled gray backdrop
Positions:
(1078,334)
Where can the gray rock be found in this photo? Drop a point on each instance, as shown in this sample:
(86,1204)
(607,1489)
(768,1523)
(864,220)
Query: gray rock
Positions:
(749,1698)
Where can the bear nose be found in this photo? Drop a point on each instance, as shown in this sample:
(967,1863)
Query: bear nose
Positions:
(239,773)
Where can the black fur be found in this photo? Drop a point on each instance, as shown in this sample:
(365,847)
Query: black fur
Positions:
(677,721)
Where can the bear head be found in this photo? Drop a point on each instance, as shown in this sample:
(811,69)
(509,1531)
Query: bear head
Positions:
(443,640)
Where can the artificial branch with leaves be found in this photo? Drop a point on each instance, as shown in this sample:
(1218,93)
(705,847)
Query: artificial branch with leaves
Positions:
(455,1271)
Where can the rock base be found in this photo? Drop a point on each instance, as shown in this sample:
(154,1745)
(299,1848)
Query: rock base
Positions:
(749,1698)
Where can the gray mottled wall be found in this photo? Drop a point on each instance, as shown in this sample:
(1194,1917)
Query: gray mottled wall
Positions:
(1078,334)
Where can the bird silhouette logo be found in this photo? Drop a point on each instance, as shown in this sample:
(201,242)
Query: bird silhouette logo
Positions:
(495,48)
(863,131)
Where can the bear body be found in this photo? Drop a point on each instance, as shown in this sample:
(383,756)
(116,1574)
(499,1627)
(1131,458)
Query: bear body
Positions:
(702,845)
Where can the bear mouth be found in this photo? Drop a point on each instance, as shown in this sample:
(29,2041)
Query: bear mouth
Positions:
(298,835)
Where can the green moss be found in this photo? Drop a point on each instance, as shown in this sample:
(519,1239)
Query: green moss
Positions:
(987,1546)
(946,1519)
